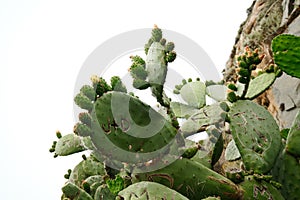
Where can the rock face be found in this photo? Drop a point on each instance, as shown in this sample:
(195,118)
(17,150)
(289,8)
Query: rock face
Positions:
(267,19)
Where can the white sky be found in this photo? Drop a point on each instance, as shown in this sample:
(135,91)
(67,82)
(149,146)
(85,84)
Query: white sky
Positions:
(43,45)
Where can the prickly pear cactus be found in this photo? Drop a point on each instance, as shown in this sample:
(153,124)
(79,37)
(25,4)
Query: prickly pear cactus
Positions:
(136,152)
(256,135)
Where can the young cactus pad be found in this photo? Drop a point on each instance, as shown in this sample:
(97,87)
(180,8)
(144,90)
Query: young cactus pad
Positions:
(286,50)
(256,135)
(259,84)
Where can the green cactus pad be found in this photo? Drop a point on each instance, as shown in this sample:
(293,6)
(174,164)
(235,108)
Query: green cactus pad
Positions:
(69,144)
(287,172)
(103,192)
(89,92)
(149,190)
(85,169)
(192,180)
(208,115)
(217,92)
(286,50)
(293,138)
(260,190)
(194,94)
(94,182)
(132,125)
(75,193)
(259,84)
(83,101)
(232,153)
(182,110)
(256,135)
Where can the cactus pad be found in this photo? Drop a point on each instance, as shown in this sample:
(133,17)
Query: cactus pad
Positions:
(287,173)
(208,115)
(194,94)
(261,190)
(286,53)
(293,139)
(256,135)
(217,92)
(74,192)
(259,84)
(193,180)
(149,190)
(69,144)
(182,110)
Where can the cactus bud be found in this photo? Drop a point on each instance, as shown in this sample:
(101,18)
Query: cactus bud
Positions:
(163,41)
(170,46)
(231,97)
(243,64)
(243,80)
(244,72)
(175,91)
(171,56)
(232,86)
(86,186)
(58,134)
(102,87)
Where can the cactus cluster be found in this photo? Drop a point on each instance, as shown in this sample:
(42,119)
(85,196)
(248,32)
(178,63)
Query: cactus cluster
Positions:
(136,152)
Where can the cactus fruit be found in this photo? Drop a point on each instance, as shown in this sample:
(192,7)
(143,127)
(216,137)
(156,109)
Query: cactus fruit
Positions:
(149,190)
(193,180)
(286,49)
(256,135)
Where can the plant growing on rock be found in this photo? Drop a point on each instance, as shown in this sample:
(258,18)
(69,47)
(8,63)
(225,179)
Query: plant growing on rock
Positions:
(136,152)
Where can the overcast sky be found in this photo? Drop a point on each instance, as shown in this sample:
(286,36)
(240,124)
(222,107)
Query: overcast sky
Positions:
(43,45)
